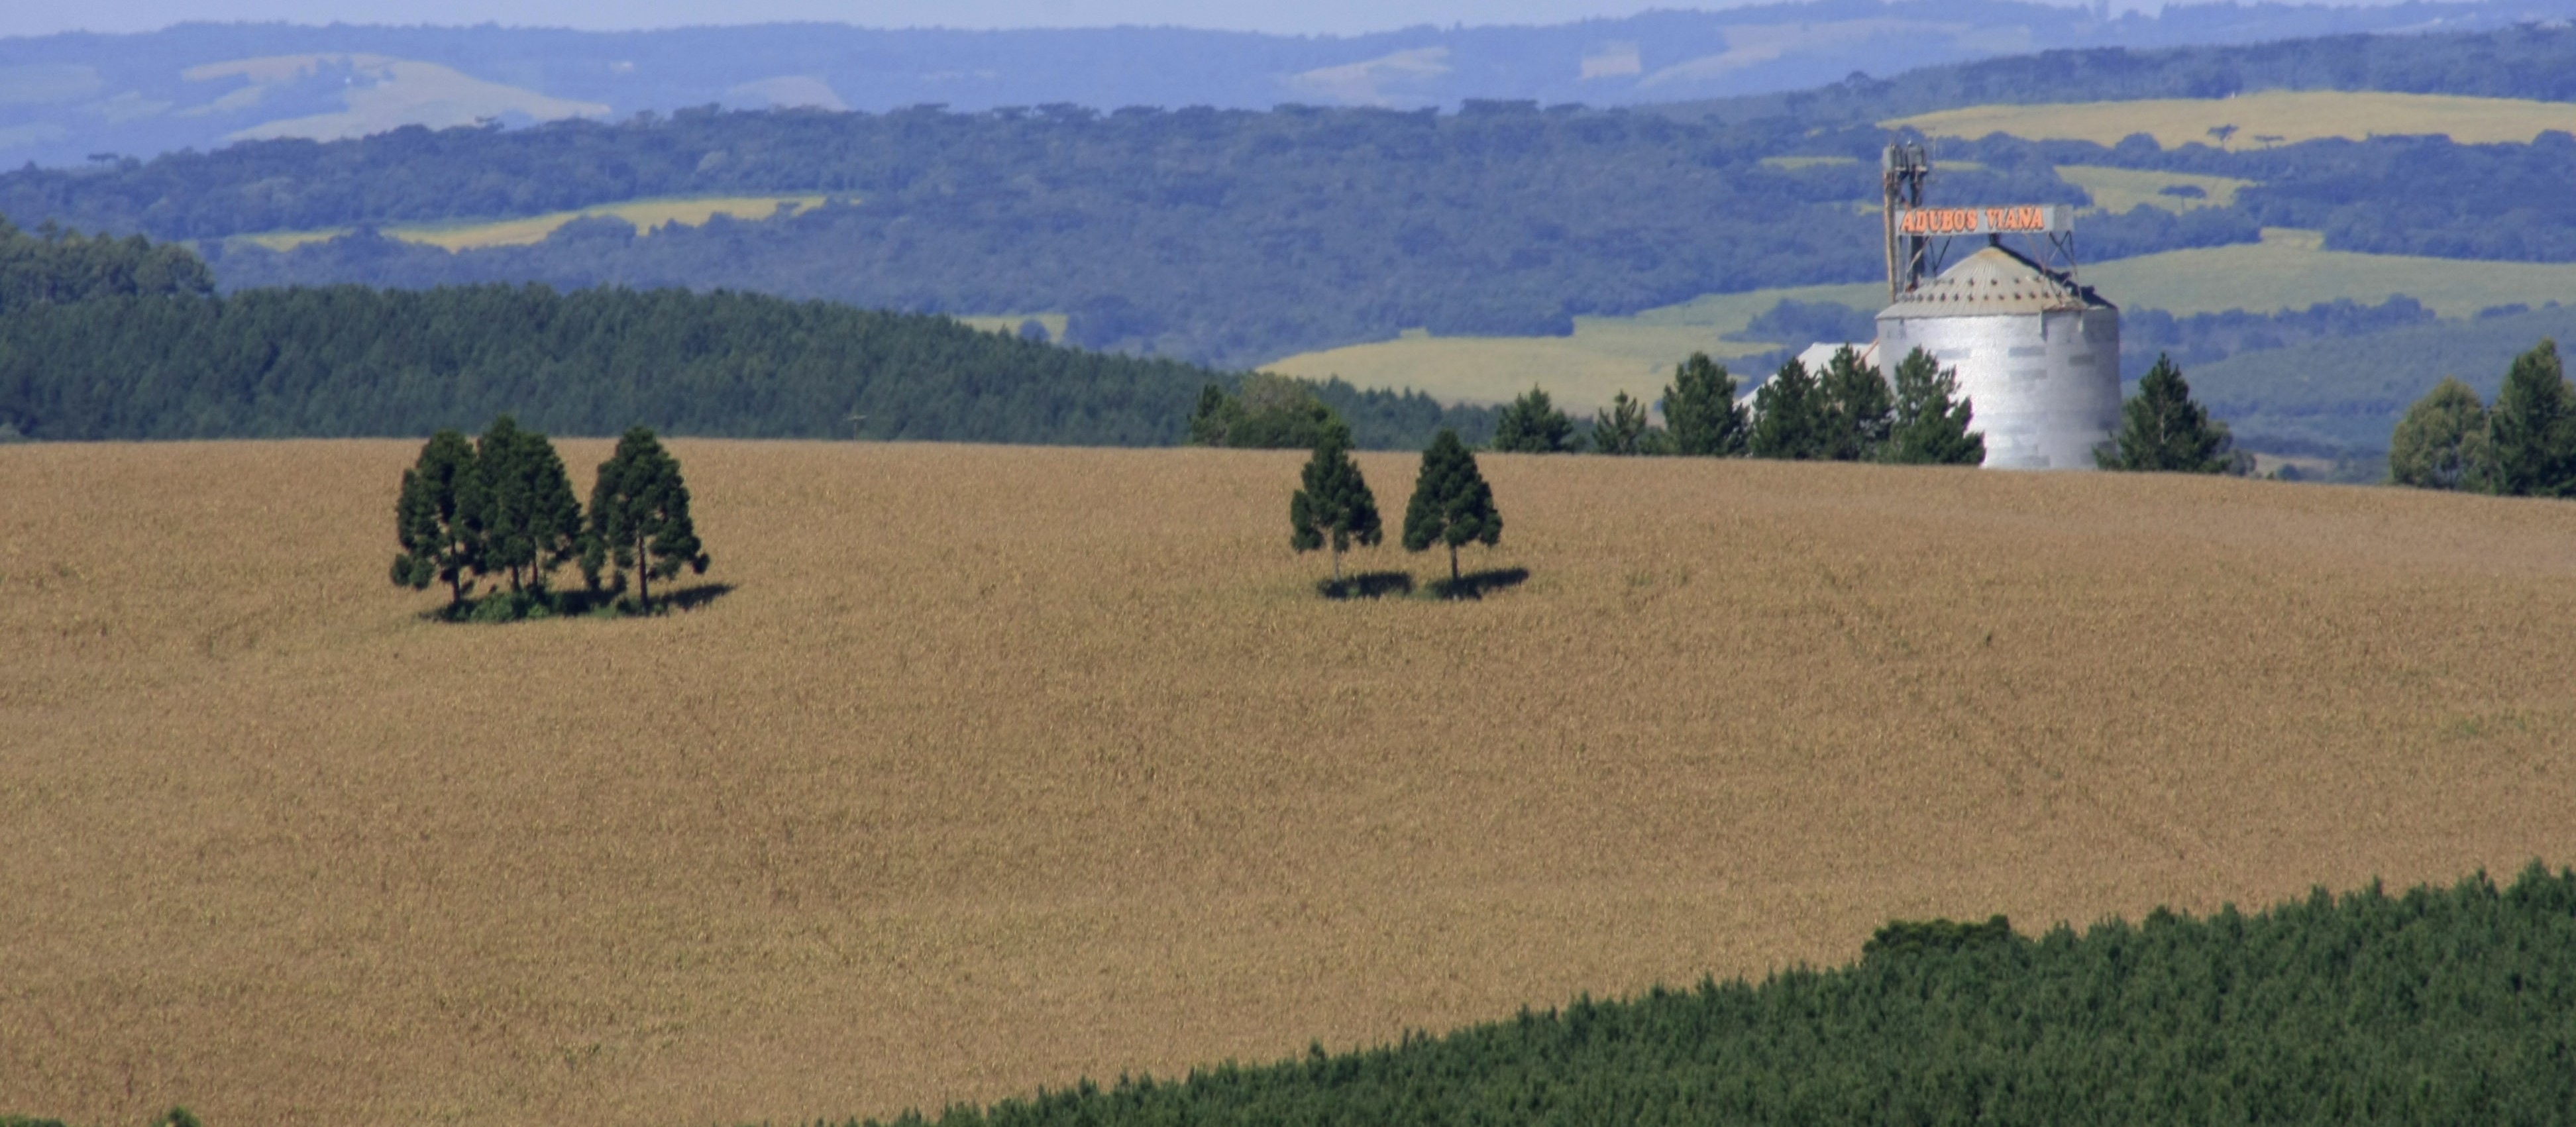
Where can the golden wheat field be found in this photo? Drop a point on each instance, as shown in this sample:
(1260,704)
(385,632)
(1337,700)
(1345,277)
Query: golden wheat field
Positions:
(1000,767)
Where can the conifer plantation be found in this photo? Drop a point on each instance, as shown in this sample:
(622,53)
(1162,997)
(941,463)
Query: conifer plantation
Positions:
(2436,1006)
(123,339)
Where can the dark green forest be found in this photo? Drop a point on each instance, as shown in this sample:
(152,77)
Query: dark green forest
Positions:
(2435,1007)
(53,266)
(348,360)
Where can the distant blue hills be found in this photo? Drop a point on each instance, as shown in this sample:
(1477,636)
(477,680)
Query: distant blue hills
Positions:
(66,99)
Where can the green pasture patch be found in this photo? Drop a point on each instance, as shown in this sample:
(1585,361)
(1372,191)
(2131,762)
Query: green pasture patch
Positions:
(2121,189)
(1584,371)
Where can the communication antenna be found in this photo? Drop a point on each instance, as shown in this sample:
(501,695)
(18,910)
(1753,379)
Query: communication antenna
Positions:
(1903,174)
(1918,237)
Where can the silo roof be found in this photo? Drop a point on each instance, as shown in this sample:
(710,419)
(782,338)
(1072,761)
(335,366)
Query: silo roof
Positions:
(1994,282)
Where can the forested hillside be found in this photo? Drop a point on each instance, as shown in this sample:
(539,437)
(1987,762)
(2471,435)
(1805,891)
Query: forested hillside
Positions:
(2432,1007)
(105,338)
(2526,60)
(1235,238)
(1227,238)
(54,266)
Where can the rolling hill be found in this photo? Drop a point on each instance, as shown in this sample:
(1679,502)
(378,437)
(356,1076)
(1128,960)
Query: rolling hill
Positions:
(64,98)
(990,768)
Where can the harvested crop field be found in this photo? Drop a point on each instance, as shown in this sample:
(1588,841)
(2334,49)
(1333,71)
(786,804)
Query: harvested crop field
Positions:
(998,767)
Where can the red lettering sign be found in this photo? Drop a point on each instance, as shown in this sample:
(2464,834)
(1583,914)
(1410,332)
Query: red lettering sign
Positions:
(1979,220)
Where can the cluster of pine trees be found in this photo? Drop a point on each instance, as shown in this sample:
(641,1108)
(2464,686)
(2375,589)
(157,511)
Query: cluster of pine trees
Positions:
(2522,446)
(2432,1007)
(1848,413)
(501,504)
(1452,505)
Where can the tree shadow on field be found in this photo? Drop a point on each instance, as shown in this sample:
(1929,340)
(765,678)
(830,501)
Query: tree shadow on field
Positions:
(1367,585)
(1474,584)
(615,602)
(692,597)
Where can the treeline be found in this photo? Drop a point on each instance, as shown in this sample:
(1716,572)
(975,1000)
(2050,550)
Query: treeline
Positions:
(2424,195)
(2332,395)
(2528,60)
(1846,412)
(52,266)
(2435,1007)
(350,360)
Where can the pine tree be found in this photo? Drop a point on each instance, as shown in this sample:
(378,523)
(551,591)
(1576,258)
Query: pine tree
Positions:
(1700,410)
(2442,442)
(1623,430)
(2162,430)
(532,521)
(1858,412)
(437,517)
(1451,503)
(1208,423)
(1531,424)
(2534,427)
(1931,426)
(1789,415)
(1335,506)
(639,517)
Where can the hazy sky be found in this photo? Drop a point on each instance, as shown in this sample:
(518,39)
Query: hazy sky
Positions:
(37,17)
(44,17)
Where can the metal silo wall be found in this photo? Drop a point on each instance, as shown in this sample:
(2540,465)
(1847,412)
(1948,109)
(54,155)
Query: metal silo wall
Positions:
(2045,386)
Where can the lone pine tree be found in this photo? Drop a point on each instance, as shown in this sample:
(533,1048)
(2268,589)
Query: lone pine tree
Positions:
(2163,431)
(1931,426)
(1451,503)
(1701,412)
(437,518)
(1335,508)
(639,517)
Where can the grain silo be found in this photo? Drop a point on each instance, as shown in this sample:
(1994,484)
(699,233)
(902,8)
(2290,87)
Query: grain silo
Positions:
(2037,354)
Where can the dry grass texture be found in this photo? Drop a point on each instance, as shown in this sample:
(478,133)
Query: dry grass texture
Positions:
(1000,767)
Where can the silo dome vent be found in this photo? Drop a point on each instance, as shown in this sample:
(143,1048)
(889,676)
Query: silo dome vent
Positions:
(1995,280)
